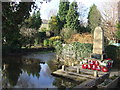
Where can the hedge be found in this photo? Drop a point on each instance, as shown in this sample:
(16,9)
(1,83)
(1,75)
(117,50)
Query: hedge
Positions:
(113,52)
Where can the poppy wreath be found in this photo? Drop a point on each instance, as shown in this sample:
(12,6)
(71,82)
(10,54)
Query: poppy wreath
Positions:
(91,62)
(89,66)
(98,68)
(84,66)
(93,67)
(108,59)
(104,69)
(96,62)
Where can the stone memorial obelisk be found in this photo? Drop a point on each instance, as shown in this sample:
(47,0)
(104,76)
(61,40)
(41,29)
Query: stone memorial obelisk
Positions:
(98,42)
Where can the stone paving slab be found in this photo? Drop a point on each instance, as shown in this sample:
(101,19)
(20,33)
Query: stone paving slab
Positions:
(84,71)
(71,75)
(85,77)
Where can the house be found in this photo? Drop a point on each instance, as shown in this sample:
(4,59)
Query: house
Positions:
(44,24)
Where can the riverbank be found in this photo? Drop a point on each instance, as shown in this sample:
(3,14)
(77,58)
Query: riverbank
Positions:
(26,51)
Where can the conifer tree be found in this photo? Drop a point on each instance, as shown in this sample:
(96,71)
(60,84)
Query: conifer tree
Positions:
(94,18)
(72,17)
(54,25)
(63,10)
(33,21)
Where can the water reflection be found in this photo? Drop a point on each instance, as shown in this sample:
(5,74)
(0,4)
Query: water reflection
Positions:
(27,72)
(17,66)
(31,67)
(12,70)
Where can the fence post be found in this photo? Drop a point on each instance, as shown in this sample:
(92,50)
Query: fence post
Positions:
(63,67)
(78,70)
(95,73)
(72,64)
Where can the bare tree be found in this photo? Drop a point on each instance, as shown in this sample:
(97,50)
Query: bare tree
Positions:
(110,19)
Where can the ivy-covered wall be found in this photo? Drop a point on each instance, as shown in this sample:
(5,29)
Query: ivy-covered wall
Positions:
(74,50)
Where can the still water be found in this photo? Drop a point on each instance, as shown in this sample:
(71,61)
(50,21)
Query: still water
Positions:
(32,71)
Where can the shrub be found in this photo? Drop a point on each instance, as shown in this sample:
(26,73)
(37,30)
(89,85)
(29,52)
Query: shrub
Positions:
(118,31)
(28,35)
(50,43)
(53,41)
(118,34)
(55,38)
(46,43)
(113,53)
(67,32)
(43,29)
(56,42)
(58,47)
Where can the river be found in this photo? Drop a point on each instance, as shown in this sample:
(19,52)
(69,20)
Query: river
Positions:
(32,71)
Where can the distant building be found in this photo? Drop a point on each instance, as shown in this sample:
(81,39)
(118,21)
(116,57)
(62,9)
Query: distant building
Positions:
(44,24)
(44,21)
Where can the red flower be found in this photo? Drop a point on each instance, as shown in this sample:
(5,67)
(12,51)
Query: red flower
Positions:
(98,68)
(104,69)
(89,66)
(96,62)
(108,59)
(91,62)
(84,66)
(94,67)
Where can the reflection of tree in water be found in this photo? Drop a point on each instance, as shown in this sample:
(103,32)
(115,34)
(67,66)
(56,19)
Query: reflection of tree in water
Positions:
(24,82)
(15,65)
(13,69)
(32,69)
(64,83)
(31,66)
(13,74)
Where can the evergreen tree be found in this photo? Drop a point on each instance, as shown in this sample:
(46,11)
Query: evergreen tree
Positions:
(63,10)
(94,18)
(72,17)
(13,15)
(54,25)
(33,21)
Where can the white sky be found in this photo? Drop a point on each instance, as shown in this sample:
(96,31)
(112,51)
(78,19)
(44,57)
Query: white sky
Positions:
(51,8)
(54,5)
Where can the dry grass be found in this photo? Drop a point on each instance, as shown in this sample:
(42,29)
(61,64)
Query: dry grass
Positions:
(82,38)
